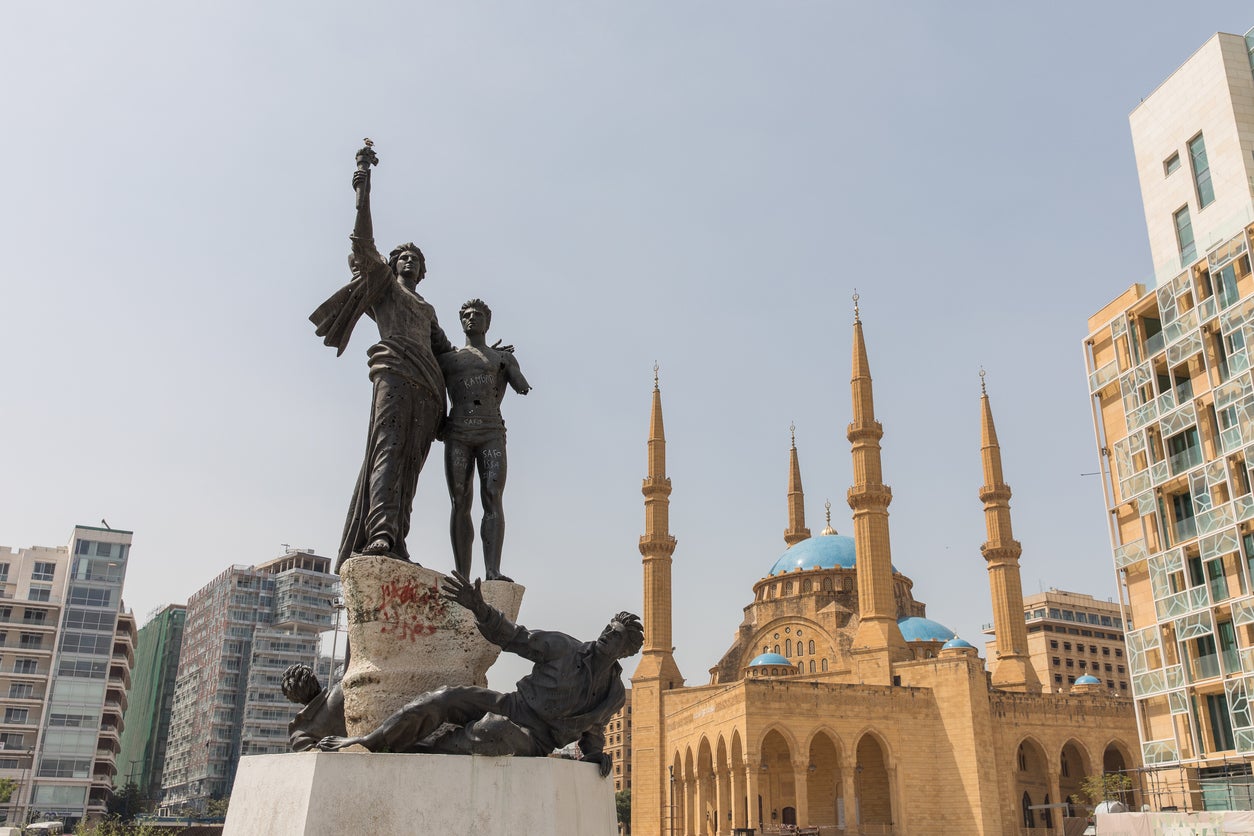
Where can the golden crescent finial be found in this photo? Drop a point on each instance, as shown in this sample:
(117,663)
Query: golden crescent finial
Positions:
(983,390)
(655,368)
(792,433)
(368,142)
(856,317)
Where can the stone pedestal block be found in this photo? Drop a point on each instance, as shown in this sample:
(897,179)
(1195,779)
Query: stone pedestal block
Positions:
(407,640)
(320,794)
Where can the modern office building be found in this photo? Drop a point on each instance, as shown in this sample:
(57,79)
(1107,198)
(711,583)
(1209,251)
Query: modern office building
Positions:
(66,649)
(242,631)
(1173,405)
(147,717)
(839,704)
(1071,635)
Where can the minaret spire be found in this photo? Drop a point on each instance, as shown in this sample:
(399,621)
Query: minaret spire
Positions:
(1013,669)
(797,530)
(657,545)
(878,642)
(657,672)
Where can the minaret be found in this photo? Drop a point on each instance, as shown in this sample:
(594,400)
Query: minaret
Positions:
(657,672)
(878,642)
(1013,669)
(797,530)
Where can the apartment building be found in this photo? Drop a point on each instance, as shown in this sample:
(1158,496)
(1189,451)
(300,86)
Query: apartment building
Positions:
(1173,406)
(242,631)
(66,650)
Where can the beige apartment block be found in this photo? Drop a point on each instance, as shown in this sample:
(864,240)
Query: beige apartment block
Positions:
(1071,635)
(839,704)
(1173,406)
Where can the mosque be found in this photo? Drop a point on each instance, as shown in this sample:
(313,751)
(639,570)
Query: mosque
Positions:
(840,706)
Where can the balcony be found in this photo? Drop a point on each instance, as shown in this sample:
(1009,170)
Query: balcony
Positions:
(1204,667)
(1185,529)
(1186,459)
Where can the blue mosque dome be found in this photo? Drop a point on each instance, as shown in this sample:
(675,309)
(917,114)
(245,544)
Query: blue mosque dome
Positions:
(956,643)
(770,659)
(827,551)
(917,629)
(1087,679)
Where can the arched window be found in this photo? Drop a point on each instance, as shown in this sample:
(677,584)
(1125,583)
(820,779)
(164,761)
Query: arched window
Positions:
(807,586)
(1047,815)
(827,584)
(1066,772)
(788,587)
(766,648)
(1023,759)
(788,648)
(811,647)
(811,666)
(1029,819)
(801,647)
(824,666)
(777,648)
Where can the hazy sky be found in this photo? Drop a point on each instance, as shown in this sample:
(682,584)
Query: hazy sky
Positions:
(702,184)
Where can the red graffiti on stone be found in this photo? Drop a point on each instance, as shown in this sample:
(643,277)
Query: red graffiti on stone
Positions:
(409,610)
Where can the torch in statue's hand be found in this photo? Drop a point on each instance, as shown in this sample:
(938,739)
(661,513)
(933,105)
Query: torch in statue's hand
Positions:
(366,157)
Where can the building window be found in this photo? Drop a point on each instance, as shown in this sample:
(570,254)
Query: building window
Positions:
(16,715)
(1184,236)
(1105,651)
(40,593)
(43,571)
(811,666)
(21,691)
(25,665)
(1066,646)
(1171,164)
(1053,644)
(12,741)
(1201,172)
(824,666)
(1057,661)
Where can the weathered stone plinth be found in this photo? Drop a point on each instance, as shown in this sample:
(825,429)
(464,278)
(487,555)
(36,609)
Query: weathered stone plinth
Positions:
(407,640)
(321,793)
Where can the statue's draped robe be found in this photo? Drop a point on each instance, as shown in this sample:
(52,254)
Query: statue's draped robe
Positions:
(408,404)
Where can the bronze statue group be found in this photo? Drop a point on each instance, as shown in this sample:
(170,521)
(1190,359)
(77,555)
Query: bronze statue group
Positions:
(574,687)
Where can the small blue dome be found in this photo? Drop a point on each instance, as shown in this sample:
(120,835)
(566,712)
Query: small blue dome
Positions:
(1088,679)
(770,659)
(956,642)
(917,629)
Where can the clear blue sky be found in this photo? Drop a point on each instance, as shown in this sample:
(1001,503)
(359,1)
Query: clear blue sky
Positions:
(703,184)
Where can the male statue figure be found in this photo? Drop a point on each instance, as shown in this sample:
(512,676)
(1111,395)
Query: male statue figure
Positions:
(408,403)
(573,690)
(474,436)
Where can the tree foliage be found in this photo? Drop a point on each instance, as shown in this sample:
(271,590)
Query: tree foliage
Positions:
(127,803)
(8,786)
(622,804)
(1107,786)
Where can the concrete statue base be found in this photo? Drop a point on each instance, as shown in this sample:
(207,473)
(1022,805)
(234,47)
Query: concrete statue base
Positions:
(407,640)
(308,793)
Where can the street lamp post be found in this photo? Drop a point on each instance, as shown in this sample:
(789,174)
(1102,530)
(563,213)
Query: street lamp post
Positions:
(671,770)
